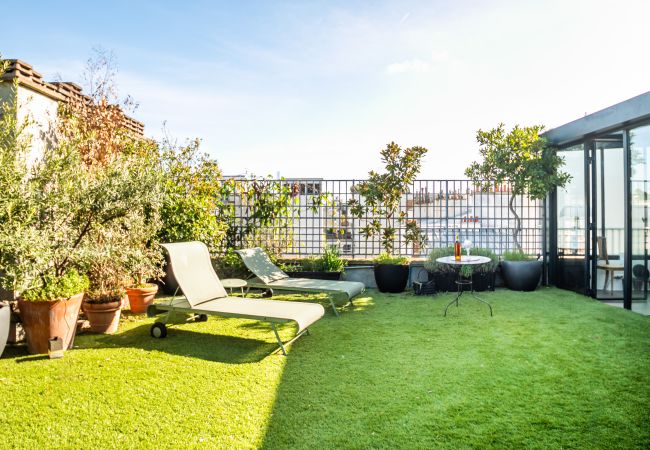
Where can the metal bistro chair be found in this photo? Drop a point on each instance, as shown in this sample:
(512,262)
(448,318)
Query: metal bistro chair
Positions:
(604,264)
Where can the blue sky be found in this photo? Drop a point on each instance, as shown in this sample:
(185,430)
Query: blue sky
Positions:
(316,89)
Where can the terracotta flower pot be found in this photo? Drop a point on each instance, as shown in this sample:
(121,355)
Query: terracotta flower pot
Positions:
(45,320)
(103,317)
(141,298)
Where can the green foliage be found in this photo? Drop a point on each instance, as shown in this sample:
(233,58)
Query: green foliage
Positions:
(383,192)
(518,255)
(54,208)
(467,270)
(230,265)
(193,193)
(58,288)
(331,259)
(520,157)
(387,258)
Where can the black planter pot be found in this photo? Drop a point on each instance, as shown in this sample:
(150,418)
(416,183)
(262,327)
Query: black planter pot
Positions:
(315,275)
(444,281)
(521,275)
(483,281)
(391,277)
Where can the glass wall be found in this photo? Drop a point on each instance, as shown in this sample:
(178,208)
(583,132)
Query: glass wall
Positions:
(639,139)
(571,213)
(609,224)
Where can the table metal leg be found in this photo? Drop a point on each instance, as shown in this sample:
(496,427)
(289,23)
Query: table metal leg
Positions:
(462,283)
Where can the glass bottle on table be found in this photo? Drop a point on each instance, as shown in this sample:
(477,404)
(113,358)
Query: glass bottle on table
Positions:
(457,248)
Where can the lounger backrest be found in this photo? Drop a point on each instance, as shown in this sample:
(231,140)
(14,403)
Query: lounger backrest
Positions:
(193,271)
(259,263)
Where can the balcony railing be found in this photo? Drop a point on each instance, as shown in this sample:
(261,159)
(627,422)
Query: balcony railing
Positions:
(441,208)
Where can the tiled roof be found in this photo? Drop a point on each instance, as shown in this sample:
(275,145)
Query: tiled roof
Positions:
(62,91)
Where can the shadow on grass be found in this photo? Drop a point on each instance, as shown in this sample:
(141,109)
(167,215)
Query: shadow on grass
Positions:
(193,344)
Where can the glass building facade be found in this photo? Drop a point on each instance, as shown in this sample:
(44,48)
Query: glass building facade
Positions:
(599,229)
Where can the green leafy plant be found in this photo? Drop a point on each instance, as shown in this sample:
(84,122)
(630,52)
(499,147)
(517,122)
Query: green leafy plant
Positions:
(331,260)
(383,192)
(522,158)
(54,206)
(58,288)
(193,194)
(517,255)
(387,258)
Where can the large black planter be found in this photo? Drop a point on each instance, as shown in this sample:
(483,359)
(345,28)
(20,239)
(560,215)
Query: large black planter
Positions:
(391,277)
(446,281)
(315,275)
(521,275)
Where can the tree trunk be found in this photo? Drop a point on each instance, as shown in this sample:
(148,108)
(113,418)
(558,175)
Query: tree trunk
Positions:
(515,233)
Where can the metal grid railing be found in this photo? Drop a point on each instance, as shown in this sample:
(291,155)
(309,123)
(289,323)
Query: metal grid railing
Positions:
(320,215)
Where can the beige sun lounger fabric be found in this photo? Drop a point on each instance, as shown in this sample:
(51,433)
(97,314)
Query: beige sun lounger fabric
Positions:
(204,293)
(269,276)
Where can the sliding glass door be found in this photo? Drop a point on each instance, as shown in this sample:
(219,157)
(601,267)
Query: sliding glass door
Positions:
(570,269)
(639,139)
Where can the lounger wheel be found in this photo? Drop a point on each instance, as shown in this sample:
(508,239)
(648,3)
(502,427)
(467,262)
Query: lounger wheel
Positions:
(201,318)
(267,293)
(158,330)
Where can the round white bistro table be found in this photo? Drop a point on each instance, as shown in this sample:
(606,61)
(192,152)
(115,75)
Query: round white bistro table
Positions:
(234,283)
(461,282)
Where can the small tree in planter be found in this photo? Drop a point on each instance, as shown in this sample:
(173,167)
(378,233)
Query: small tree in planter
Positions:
(523,159)
(50,209)
(382,195)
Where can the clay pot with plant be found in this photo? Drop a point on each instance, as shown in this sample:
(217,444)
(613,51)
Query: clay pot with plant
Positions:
(145,264)
(522,159)
(382,194)
(51,205)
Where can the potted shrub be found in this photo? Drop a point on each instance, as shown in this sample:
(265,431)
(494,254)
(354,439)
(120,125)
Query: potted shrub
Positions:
(329,266)
(443,275)
(523,159)
(145,265)
(521,272)
(51,310)
(51,205)
(391,272)
(107,272)
(382,194)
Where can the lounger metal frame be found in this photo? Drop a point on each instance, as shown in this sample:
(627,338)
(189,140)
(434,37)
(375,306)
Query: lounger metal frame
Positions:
(256,283)
(174,306)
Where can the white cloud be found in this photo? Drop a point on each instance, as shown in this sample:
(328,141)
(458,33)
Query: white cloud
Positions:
(413,65)
(439,56)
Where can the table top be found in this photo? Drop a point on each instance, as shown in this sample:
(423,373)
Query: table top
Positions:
(233,283)
(464,260)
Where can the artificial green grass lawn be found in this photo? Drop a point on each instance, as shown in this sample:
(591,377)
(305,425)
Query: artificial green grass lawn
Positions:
(551,369)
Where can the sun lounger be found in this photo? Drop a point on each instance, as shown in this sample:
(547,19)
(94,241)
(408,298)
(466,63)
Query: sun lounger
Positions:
(204,295)
(269,276)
